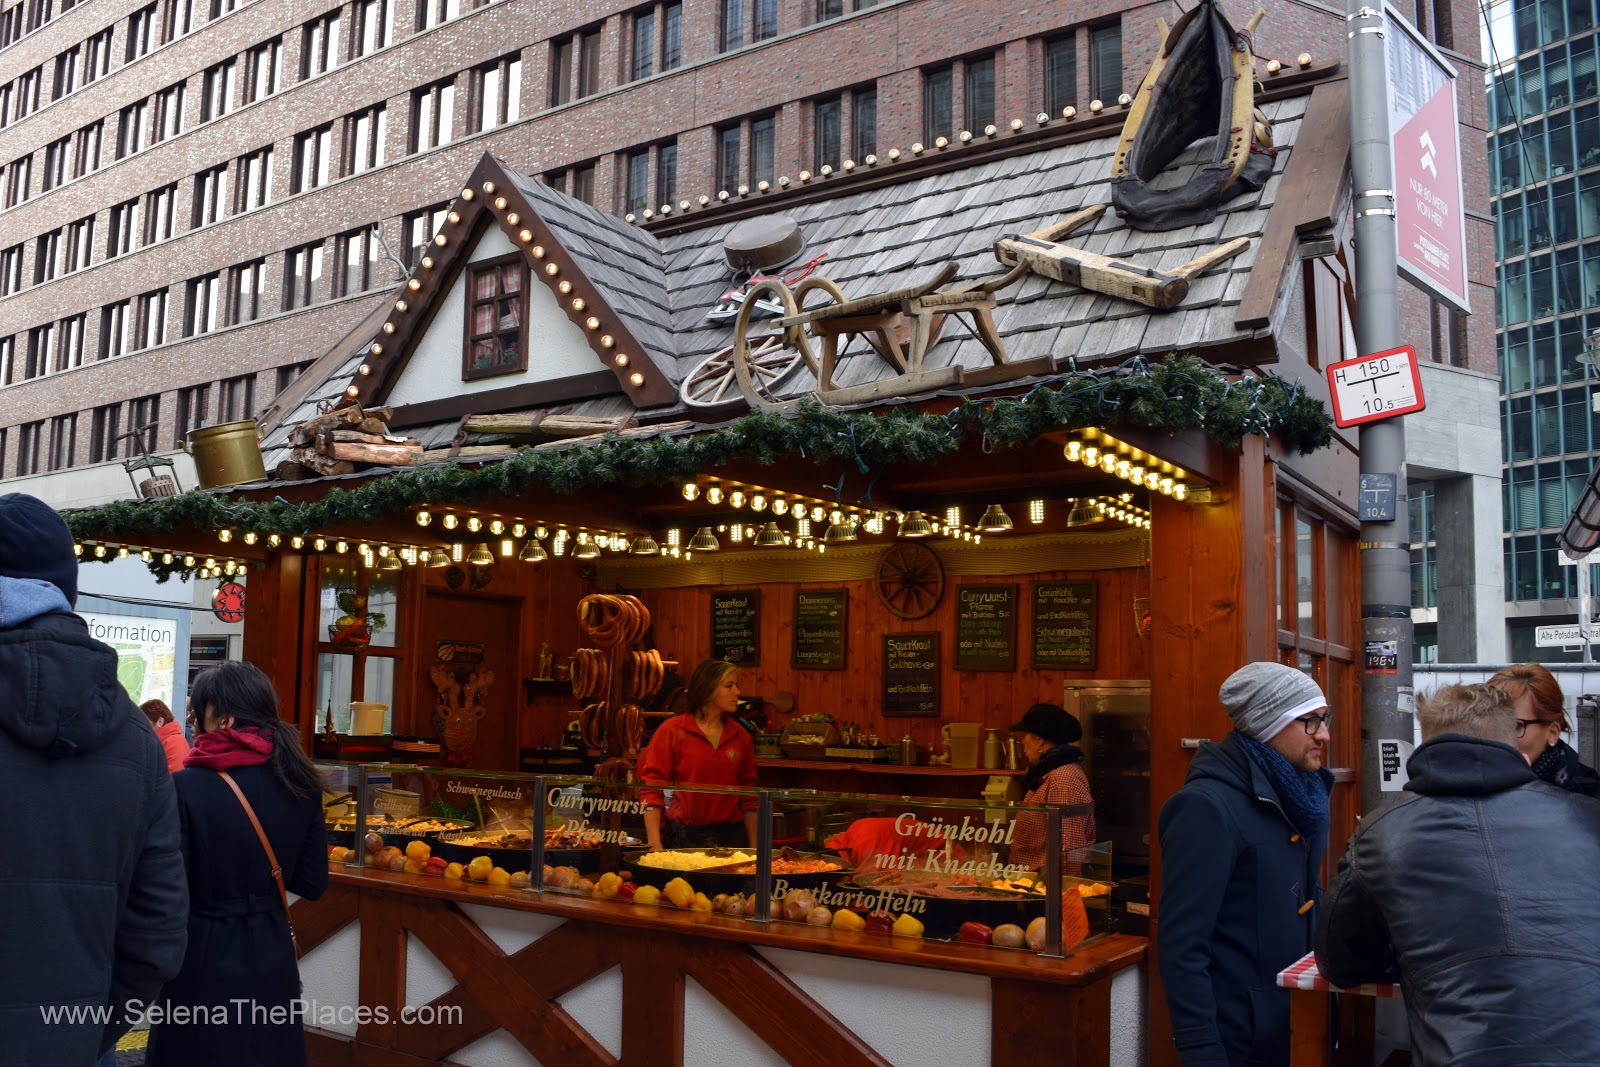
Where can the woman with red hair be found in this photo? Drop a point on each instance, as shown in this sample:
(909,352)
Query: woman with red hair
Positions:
(1541,720)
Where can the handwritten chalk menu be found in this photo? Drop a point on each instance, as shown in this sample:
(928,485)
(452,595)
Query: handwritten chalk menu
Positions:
(986,628)
(911,674)
(736,626)
(819,628)
(1063,624)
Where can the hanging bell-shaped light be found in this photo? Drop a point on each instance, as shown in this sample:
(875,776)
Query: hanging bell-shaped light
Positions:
(704,541)
(839,532)
(771,537)
(1082,515)
(995,520)
(439,558)
(481,556)
(916,524)
(586,550)
(645,545)
(533,552)
(390,562)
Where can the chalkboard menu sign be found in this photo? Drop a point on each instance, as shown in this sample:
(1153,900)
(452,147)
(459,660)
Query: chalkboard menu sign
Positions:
(986,628)
(736,626)
(1063,624)
(911,674)
(819,628)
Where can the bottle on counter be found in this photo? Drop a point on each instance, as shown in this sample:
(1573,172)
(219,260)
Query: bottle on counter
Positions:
(908,751)
(991,750)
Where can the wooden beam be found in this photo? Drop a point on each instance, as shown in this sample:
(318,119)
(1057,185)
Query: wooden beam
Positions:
(1031,1023)
(652,1003)
(575,387)
(1313,184)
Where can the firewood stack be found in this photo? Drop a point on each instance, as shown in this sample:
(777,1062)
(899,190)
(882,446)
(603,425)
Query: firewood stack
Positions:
(333,443)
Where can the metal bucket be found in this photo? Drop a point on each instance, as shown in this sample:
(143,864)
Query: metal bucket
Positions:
(227,454)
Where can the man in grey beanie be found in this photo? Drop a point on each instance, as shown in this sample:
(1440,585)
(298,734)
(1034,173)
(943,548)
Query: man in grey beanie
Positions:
(1241,849)
(99,904)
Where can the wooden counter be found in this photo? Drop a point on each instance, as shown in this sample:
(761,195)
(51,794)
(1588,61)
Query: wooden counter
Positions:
(1041,1010)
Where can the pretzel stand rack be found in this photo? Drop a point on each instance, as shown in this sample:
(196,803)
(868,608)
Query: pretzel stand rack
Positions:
(614,678)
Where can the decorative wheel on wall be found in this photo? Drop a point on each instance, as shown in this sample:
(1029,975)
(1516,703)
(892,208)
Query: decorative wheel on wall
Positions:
(715,382)
(909,579)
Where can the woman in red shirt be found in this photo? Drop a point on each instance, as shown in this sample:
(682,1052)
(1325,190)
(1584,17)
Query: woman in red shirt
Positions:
(704,746)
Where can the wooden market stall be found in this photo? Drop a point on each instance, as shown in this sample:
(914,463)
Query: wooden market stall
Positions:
(1000,487)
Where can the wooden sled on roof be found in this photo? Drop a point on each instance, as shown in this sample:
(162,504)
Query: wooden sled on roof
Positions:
(1201,84)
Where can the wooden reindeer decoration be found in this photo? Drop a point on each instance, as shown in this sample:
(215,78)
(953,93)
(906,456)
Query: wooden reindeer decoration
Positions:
(461,693)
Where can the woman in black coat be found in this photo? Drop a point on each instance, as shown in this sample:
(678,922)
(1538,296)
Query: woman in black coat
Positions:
(235,1000)
(1541,720)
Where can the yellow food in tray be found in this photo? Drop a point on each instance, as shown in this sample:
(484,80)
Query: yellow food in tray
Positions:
(1085,889)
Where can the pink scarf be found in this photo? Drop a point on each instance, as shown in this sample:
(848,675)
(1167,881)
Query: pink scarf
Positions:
(223,749)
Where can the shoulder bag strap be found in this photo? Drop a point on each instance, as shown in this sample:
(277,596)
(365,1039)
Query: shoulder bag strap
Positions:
(272,859)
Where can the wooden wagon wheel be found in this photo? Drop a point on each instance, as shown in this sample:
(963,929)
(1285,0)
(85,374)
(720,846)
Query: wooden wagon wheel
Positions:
(909,579)
(795,338)
(770,362)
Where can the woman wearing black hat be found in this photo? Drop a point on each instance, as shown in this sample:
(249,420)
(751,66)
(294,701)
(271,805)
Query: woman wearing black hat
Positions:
(1047,733)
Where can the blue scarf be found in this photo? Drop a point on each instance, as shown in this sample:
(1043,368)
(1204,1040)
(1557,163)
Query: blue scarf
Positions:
(1303,794)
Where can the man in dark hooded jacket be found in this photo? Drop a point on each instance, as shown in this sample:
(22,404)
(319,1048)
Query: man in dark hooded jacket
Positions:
(1241,848)
(94,895)
(1471,889)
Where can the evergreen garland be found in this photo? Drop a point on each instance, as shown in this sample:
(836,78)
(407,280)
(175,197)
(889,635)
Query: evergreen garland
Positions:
(1178,394)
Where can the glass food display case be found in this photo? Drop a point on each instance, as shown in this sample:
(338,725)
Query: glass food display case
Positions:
(903,867)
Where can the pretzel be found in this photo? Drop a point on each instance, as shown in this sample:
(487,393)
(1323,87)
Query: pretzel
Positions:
(601,617)
(630,728)
(590,721)
(589,674)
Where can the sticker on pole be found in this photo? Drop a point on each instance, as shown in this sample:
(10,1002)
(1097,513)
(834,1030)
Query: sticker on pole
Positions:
(1392,756)
(1382,657)
(1379,386)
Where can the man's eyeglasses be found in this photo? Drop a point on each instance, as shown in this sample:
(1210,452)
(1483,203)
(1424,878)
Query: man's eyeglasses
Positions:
(1523,724)
(1313,723)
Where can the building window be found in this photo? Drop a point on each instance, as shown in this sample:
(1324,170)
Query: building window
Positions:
(66,79)
(827,115)
(63,441)
(177,19)
(358,253)
(287,375)
(192,408)
(728,159)
(47,252)
(55,164)
(41,343)
(760,15)
(19,181)
(499,92)
(11,270)
(237,399)
(80,244)
(219,84)
(169,112)
(144,416)
(583,183)
(419,228)
(495,318)
(644,44)
(636,197)
(1105,62)
(431,13)
(588,63)
(364,134)
(152,319)
(141,32)
(131,129)
(123,228)
(762,147)
(97,56)
(105,432)
(432,111)
(937,106)
(667,172)
(210,196)
(374,26)
(302,275)
(246,283)
(202,311)
(263,70)
(8,358)
(978,83)
(116,329)
(829,9)
(671,36)
(160,207)
(319,45)
(311,160)
(863,123)
(86,149)
(73,332)
(30,455)
(254,189)
(1060,75)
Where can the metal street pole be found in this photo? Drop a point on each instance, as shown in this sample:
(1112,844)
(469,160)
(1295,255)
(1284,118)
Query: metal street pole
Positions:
(1385,546)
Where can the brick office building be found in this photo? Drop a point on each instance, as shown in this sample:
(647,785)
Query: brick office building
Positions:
(198,197)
